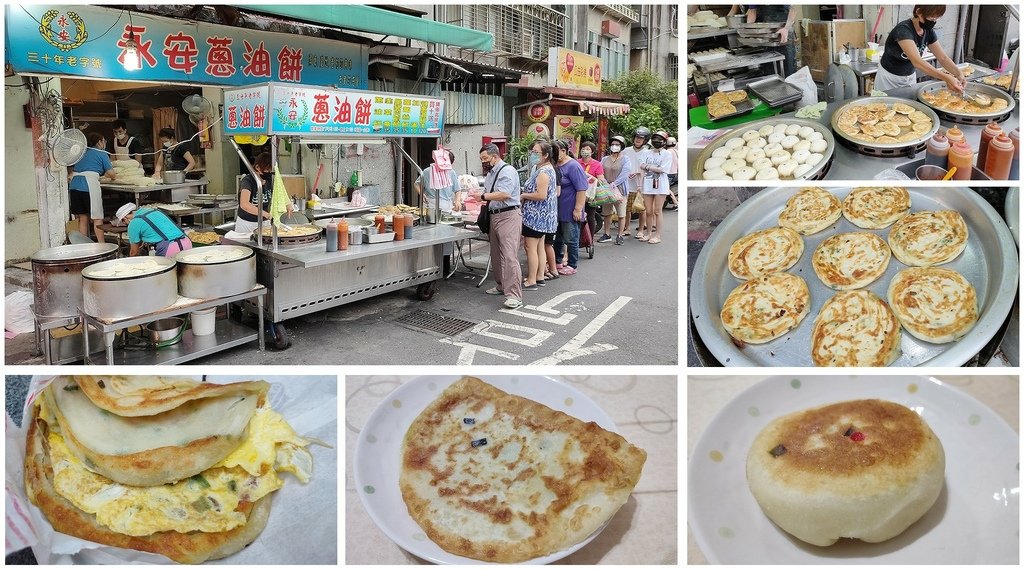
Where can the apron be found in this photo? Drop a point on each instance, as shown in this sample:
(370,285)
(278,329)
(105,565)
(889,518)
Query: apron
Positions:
(166,247)
(121,152)
(244,226)
(885,81)
(95,194)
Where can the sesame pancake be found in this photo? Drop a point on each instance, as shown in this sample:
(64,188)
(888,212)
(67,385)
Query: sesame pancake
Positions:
(855,328)
(864,469)
(850,260)
(810,210)
(876,208)
(934,304)
(927,238)
(765,252)
(765,308)
(497,477)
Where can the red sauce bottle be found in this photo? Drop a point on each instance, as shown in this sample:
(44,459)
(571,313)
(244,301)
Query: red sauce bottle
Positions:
(991,131)
(962,156)
(1000,155)
(398,222)
(378,221)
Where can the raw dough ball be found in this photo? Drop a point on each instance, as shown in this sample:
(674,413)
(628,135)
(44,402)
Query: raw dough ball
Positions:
(767,174)
(731,165)
(754,154)
(716,174)
(761,164)
(776,137)
(739,154)
(814,158)
(721,152)
(714,162)
(744,173)
(793,129)
(801,170)
(766,130)
(805,131)
(786,168)
(781,128)
(757,143)
(789,142)
(818,146)
(734,143)
(815,136)
(772,148)
(802,145)
(801,156)
(750,135)
(780,157)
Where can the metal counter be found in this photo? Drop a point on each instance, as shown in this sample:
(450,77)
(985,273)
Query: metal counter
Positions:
(137,191)
(306,278)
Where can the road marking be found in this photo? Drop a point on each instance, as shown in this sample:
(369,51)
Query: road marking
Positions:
(574,348)
(467,351)
(534,339)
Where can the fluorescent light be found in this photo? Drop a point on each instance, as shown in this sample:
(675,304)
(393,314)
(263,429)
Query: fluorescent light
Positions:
(131,56)
(341,139)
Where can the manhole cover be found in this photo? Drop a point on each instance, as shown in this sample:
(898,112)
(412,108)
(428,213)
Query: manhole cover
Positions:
(436,323)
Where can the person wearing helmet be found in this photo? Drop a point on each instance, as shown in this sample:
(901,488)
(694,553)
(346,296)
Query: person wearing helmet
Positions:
(617,168)
(641,136)
(655,164)
(673,174)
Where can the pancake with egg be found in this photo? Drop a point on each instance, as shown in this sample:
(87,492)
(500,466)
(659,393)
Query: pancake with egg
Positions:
(876,208)
(855,328)
(927,238)
(212,513)
(765,308)
(850,260)
(864,469)
(497,477)
(934,304)
(810,210)
(765,252)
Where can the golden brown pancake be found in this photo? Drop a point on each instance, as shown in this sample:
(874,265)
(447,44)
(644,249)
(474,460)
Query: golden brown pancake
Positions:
(765,308)
(876,208)
(934,304)
(855,328)
(927,238)
(850,260)
(764,252)
(810,210)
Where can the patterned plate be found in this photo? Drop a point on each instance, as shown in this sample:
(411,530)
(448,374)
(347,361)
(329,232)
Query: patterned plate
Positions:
(376,463)
(975,520)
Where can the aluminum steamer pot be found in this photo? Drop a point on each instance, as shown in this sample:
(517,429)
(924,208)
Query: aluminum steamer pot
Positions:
(174,177)
(57,276)
(126,297)
(216,279)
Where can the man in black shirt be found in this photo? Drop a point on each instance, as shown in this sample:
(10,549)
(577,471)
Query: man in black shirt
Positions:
(761,13)
(903,49)
(174,156)
(126,147)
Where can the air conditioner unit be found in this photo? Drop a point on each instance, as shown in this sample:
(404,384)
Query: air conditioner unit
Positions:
(430,68)
(526,48)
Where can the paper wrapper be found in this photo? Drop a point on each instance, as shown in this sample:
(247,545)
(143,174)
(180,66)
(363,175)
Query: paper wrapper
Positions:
(303,526)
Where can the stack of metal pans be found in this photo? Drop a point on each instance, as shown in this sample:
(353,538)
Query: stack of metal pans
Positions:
(762,34)
(885,149)
(973,118)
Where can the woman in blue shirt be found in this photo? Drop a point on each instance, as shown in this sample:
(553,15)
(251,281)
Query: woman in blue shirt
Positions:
(571,199)
(86,199)
(152,227)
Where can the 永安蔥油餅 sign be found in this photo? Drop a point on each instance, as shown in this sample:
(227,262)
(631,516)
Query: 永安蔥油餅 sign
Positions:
(92,41)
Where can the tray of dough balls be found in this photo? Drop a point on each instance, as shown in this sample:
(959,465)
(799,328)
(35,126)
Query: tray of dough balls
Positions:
(770,149)
(854,277)
(885,126)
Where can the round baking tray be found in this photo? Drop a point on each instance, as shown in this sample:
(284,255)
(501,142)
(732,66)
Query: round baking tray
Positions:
(989,262)
(815,173)
(885,149)
(974,118)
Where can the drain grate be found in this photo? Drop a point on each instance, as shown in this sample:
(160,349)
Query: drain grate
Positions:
(436,323)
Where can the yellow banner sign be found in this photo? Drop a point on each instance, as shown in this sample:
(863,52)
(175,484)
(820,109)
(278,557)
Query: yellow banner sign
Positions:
(573,70)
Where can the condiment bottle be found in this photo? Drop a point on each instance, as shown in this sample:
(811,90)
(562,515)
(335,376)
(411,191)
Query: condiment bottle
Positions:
(343,235)
(953,134)
(1000,155)
(408,226)
(378,221)
(332,237)
(937,152)
(399,225)
(991,131)
(1015,164)
(962,157)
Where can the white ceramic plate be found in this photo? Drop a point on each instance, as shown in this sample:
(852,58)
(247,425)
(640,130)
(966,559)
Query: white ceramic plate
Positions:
(975,520)
(376,463)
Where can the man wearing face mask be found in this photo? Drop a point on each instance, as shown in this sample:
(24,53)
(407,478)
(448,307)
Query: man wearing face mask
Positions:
(174,155)
(126,147)
(617,168)
(903,49)
(501,196)
(641,135)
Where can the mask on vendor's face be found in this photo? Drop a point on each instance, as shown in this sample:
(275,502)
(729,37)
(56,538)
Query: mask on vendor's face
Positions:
(928,24)
(122,135)
(615,148)
(585,154)
(167,144)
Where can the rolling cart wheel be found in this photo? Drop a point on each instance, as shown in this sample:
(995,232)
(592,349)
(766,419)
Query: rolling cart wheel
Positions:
(426,291)
(278,337)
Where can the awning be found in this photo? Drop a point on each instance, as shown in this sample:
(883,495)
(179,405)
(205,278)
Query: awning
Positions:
(598,107)
(380,21)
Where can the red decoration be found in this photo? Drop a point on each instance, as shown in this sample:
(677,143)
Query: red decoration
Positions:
(180,50)
(220,61)
(257,60)
(321,110)
(857,436)
(259,116)
(342,111)
(291,64)
(363,111)
(232,116)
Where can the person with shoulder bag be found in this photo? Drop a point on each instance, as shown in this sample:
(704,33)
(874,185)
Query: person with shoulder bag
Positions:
(503,217)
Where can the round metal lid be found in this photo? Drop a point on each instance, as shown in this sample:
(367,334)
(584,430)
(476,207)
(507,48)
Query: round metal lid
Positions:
(155,265)
(78,252)
(194,256)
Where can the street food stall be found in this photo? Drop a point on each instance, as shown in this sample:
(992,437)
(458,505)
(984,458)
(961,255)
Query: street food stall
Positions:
(294,262)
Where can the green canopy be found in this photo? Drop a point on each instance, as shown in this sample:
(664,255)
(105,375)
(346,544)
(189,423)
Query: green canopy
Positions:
(380,21)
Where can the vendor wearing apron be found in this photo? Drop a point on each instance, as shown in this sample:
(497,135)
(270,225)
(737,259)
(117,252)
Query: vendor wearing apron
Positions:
(903,49)
(84,185)
(152,227)
(245,217)
(175,155)
(126,147)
